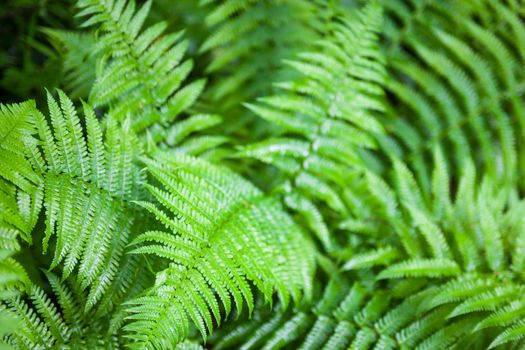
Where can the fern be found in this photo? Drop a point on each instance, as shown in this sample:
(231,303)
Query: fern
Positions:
(15,134)
(320,110)
(213,249)
(474,239)
(82,186)
(455,298)
(344,316)
(374,203)
(15,221)
(59,321)
(247,41)
(89,186)
(142,73)
(473,78)
(79,54)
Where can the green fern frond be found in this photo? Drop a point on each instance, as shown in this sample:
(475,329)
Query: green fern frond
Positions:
(516,332)
(15,136)
(487,300)
(180,131)
(503,317)
(460,288)
(88,184)
(142,76)
(475,242)
(456,82)
(80,53)
(101,177)
(343,317)
(247,42)
(380,256)
(330,115)
(222,235)
(421,268)
(57,321)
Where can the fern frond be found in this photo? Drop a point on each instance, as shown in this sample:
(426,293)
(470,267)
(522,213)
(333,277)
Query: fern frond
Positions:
(177,133)
(466,284)
(223,235)
(421,268)
(108,173)
(143,73)
(330,116)
(59,320)
(247,42)
(80,53)
(343,317)
(460,288)
(456,83)
(15,134)
(515,332)
(503,317)
(380,256)
(487,300)
(88,184)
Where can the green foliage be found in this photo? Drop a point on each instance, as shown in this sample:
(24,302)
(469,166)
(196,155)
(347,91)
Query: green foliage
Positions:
(80,53)
(99,174)
(224,234)
(248,41)
(145,67)
(255,174)
(329,116)
(458,83)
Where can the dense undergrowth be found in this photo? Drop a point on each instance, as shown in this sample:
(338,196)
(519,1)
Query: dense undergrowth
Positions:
(262,174)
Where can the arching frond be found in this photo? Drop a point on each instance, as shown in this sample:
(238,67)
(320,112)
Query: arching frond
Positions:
(344,317)
(80,53)
(328,111)
(86,185)
(222,234)
(455,81)
(15,133)
(59,320)
(141,77)
(472,225)
(247,42)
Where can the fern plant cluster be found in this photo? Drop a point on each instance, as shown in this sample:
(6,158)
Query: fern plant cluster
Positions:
(267,174)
